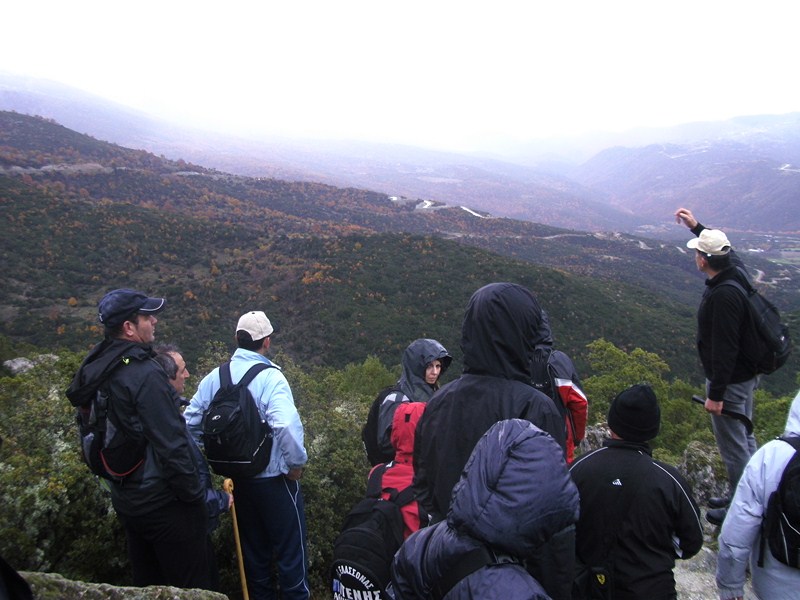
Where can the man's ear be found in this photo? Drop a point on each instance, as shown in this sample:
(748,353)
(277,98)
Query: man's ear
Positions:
(128,328)
(265,345)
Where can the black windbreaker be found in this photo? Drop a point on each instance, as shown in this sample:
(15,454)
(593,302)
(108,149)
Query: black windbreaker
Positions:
(637,516)
(142,405)
(725,329)
(502,325)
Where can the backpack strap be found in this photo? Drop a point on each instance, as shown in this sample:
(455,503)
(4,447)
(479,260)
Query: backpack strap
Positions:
(475,559)
(225,379)
(374,481)
(541,374)
(375,487)
(225,374)
(792,440)
(404,497)
(737,285)
(747,289)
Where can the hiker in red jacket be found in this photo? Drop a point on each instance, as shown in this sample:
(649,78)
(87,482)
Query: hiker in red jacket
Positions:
(399,473)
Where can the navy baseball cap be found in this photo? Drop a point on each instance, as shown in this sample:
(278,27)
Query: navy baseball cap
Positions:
(117,305)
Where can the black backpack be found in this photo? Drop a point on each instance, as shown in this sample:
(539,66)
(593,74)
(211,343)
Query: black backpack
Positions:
(780,527)
(775,344)
(543,378)
(369,434)
(371,534)
(106,450)
(236,439)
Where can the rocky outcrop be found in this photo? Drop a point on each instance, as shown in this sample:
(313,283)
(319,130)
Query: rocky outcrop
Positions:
(51,586)
(23,365)
(703,469)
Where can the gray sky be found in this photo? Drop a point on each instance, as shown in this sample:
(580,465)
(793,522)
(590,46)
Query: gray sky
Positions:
(439,73)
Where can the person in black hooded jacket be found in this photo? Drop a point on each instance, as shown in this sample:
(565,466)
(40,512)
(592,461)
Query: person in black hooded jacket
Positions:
(161,501)
(502,325)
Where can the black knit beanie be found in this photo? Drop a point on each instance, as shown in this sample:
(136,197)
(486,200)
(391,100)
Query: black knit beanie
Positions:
(634,414)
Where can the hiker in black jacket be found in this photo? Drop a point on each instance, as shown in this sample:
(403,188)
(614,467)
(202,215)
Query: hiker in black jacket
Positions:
(502,325)
(171,360)
(161,502)
(637,514)
(725,332)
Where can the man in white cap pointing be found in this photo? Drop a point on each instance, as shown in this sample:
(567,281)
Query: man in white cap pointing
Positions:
(724,333)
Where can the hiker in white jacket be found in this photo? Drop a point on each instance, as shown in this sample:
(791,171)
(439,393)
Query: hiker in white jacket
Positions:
(739,539)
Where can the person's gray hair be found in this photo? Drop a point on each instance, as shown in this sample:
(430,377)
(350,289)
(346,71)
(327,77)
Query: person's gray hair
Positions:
(164,358)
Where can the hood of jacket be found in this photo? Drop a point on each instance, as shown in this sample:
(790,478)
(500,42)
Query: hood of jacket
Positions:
(502,326)
(793,421)
(404,428)
(98,365)
(515,491)
(416,358)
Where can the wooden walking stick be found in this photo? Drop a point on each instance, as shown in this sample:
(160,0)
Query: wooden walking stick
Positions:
(227,485)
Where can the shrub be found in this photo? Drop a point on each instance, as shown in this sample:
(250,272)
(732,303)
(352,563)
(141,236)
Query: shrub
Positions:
(56,516)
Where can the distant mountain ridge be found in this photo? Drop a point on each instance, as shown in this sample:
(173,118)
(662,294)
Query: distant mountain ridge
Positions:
(749,181)
(735,170)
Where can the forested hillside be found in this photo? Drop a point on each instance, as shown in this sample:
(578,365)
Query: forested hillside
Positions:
(344,273)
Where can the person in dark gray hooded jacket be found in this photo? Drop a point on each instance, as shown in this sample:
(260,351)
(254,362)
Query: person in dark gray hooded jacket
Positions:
(514,494)
(424,361)
(502,325)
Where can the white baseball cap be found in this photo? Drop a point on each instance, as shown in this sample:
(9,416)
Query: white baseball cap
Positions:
(710,241)
(256,324)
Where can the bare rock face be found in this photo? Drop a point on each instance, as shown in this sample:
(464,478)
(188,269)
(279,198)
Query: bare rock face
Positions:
(593,439)
(703,469)
(695,579)
(23,365)
(51,586)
